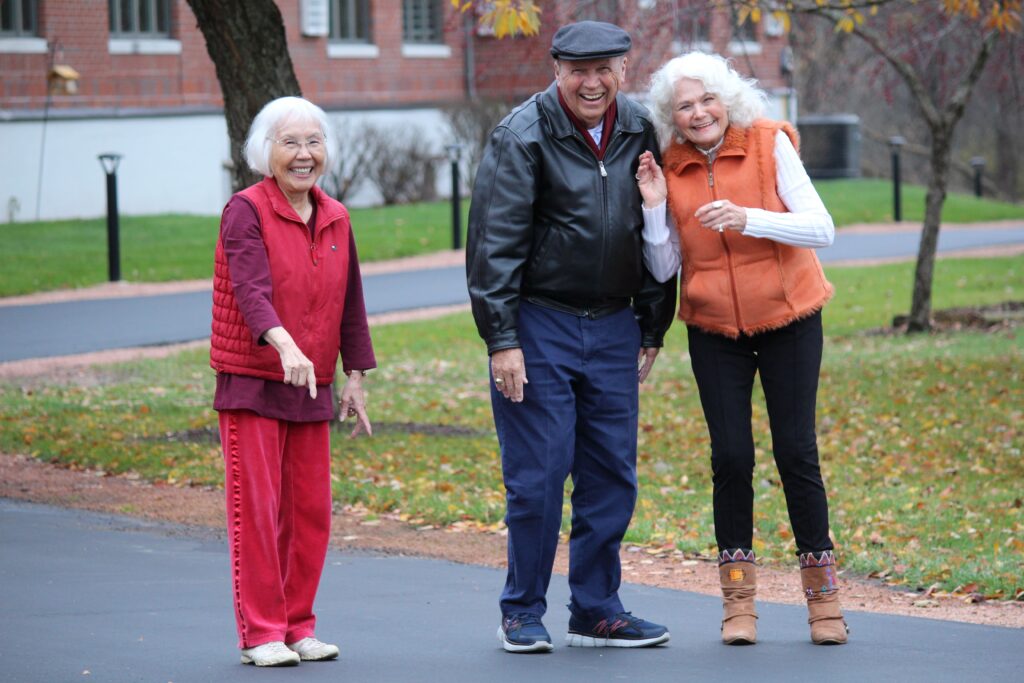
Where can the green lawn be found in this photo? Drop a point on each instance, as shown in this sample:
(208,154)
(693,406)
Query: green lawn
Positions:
(871,201)
(66,254)
(921,439)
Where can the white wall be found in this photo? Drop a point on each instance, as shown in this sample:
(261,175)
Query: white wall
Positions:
(170,164)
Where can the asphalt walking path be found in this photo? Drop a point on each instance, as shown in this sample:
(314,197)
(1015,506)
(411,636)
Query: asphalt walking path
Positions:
(91,597)
(72,327)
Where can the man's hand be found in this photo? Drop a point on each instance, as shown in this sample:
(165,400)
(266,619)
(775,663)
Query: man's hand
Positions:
(509,371)
(646,362)
(298,369)
(353,404)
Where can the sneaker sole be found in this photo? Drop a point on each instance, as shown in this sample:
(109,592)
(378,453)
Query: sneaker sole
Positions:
(509,646)
(284,662)
(580,640)
(324,658)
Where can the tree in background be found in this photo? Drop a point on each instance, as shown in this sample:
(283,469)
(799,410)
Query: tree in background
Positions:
(246,41)
(939,50)
(508,18)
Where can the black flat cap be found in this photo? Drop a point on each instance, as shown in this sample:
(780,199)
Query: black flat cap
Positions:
(589,40)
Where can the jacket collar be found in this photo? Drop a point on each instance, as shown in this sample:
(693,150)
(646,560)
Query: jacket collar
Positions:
(626,119)
(681,154)
(327,210)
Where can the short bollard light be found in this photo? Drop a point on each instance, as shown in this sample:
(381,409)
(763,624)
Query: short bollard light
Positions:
(454,152)
(978,164)
(110,161)
(895,143)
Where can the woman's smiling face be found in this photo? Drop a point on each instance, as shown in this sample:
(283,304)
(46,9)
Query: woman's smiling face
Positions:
(297,155)
(699,116)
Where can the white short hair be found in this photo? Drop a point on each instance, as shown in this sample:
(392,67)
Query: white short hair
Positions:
(743,100)
(275,114)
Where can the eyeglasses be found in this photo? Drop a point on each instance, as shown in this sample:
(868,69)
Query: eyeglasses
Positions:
(314,145)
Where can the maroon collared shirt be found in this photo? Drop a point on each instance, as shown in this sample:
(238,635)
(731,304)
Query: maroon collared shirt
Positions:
(250,278)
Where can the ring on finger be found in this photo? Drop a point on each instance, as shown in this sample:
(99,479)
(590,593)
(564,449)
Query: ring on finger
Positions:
(717,204)
(720,227)
(499,380)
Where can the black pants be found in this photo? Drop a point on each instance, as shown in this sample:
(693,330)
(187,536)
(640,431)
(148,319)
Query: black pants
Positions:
(788,360)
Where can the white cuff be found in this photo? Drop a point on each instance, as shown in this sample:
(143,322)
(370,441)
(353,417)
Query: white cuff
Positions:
(655,229)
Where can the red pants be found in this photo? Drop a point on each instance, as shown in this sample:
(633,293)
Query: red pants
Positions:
(278,488)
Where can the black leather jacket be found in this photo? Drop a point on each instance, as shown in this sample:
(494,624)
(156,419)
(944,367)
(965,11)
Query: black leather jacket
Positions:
(548,220)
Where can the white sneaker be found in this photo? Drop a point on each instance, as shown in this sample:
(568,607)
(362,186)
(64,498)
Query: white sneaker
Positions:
(312,650)
(270,654)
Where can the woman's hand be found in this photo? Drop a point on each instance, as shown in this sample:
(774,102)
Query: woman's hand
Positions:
(651,181)
(298,370)
(722,215)
(352,403)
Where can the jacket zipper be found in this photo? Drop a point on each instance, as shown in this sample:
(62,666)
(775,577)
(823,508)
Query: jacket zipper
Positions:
(604,200)
(728,254)
(604,211)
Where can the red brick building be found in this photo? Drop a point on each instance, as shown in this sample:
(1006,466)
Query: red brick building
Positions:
(134,76)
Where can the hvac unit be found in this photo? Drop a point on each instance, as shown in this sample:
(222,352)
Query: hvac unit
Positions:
(830,145)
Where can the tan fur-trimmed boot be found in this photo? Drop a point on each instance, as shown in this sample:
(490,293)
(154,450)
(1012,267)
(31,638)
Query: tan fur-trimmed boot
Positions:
(821,588)
(738,575)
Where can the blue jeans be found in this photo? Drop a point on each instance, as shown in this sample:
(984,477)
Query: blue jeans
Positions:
(578,417)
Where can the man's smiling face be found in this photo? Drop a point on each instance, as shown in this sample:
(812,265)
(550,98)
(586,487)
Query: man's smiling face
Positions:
(589,86)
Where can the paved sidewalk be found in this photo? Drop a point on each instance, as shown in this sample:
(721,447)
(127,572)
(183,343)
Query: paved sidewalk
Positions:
(91,597)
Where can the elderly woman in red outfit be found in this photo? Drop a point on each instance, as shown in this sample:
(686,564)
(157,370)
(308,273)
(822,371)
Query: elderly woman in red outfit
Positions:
(287,299)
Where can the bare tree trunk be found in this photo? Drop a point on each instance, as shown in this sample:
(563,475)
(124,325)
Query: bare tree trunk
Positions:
(246,41)
(921,301)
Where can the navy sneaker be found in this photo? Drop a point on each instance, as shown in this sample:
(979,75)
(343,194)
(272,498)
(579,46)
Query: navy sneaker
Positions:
(622,630)
(524,632)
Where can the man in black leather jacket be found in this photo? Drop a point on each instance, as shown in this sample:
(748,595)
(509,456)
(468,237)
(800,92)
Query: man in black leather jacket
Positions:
(573,322)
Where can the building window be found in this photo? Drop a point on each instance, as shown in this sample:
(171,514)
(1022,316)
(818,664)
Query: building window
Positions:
(694,28)
(421,21)
(144,18)
(350,21)
(596,10)
(745,32)
(18,18)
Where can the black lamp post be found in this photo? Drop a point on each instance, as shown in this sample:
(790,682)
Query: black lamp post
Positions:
(895,143)
(454,151)
(978,164)
(109,161)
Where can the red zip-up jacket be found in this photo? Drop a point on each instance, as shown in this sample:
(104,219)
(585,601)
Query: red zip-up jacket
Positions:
(309,277)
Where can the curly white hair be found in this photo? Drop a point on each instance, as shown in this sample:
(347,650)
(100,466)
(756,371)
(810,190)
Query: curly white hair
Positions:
(743,100)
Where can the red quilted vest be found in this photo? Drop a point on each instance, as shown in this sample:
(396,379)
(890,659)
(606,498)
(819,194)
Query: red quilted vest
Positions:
(731,282)
(308,279)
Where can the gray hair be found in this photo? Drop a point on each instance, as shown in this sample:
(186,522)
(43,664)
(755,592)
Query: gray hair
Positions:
(275,114)
(743,100)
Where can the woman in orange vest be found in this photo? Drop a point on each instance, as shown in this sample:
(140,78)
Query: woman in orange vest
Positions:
(287,299)
(742,221)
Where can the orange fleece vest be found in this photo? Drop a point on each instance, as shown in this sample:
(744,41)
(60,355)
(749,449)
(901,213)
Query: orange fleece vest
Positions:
(308,280)
(733,283)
